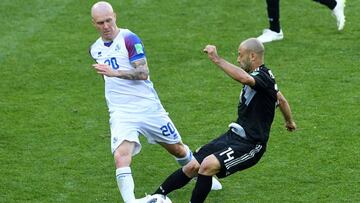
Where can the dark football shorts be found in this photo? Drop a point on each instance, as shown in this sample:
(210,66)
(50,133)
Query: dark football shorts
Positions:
(233,152)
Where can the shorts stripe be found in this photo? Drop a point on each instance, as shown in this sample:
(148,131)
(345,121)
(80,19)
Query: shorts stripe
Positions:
(244,157)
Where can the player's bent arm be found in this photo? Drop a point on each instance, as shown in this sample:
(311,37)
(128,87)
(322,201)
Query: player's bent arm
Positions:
(235,72)
(286,112)
(140,71)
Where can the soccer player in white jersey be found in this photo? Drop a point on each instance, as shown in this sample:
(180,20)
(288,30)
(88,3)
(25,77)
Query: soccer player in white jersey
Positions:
(132,101)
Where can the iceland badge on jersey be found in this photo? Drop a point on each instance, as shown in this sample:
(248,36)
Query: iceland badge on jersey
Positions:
(139,48)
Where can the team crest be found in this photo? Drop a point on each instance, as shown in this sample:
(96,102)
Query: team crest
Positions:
(139,48)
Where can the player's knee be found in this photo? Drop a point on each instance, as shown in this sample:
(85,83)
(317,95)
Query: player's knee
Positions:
(122,158)
(209,166)
(191,169)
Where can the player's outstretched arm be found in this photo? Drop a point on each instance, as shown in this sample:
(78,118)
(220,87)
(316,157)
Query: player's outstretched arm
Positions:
(286,112)
(140,71)
(230,69)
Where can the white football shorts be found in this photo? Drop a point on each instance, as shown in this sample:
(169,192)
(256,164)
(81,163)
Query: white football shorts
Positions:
(156,127)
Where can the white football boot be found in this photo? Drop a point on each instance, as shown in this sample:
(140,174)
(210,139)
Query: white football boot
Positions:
(216,185)
(338,12)
(269,36)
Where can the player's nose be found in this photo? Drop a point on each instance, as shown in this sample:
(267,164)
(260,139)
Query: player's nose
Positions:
(106,25)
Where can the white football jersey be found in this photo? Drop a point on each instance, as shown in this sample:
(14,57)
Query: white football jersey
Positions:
(128,96)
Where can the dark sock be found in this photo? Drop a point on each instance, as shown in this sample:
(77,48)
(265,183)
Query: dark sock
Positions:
(202,189)
(329,3)
(273,11)
(176,180)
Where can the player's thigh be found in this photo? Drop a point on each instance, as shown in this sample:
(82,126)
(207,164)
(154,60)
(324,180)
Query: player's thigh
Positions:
(159,128)
(123,129)
(238,156)
(212,147)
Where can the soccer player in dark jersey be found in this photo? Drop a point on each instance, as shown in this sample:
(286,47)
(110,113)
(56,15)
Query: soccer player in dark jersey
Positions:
(245,142)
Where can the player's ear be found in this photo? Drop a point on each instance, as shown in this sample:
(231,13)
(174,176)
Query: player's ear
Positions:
(253,56)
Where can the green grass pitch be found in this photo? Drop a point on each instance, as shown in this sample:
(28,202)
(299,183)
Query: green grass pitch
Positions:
(54,132)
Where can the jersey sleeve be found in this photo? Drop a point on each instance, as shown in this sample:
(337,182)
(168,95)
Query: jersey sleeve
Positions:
(263,81)
(134,46)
